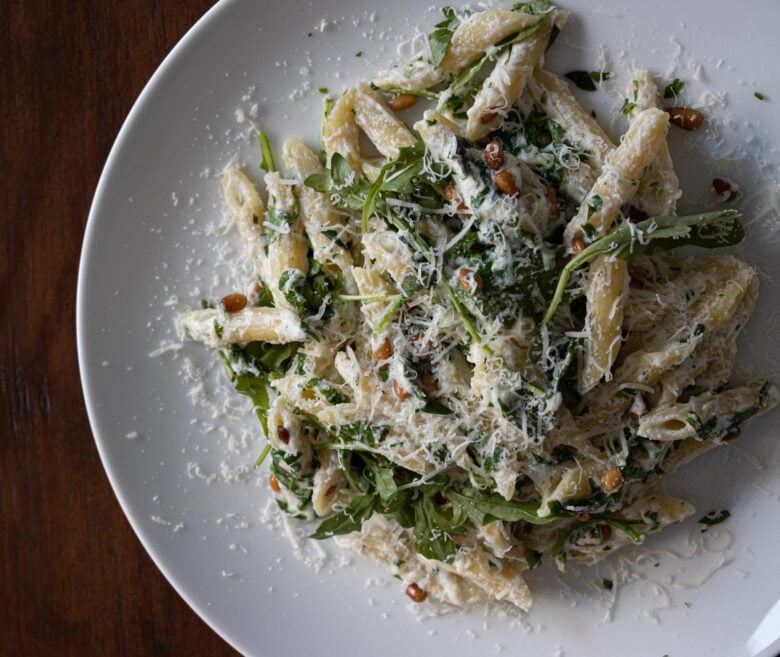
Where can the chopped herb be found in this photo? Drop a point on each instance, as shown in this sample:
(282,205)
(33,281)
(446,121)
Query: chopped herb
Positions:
(759,95)
(323,90)
(628,106)
(533,558)
(594,205)
(436,407)
(703,430)
(608,584)
(674,88)
(359,53)
(218,329)
(714,518)
(586,80)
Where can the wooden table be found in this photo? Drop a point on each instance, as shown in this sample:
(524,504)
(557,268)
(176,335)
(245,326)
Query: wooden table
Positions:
(74,580)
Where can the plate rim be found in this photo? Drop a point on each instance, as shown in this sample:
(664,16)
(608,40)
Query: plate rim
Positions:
(85,376)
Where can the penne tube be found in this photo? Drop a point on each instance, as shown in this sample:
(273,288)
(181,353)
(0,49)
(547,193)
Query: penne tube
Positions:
(218,329)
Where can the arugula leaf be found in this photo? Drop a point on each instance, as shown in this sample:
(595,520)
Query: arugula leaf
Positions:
(532,558)
(703,430)
(435,407)
(633,239)
(715,517)
(331,394)
(410,285)
(308,293)
(439,39)
(345,187)
(362,431)
(486,507)
(278,222)
(349,520)
(433,531)
(674,88)
(250,367)
(267,157)
(385,482)
(534,7)
(586,80)
(628,106)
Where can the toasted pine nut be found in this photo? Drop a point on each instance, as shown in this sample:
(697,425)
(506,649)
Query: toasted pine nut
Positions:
(488,116)
(273,482)
(552,199)
(611,480)
(401,102)
(283,433)
(232,303)
(415,593)
(383,351)
(469,280)
(723,187)
(428,383)
(453,197)
(505,183)
(685,117)
(494,155)
(578,245)
(399,390)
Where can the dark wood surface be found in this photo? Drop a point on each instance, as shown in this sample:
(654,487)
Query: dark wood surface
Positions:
(74,580)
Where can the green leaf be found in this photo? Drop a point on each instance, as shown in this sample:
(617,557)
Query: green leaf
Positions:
(439,39)
(433,532)
(628,106)
(533,558)
(278,221)
(715,517)
(759,95)
(435,407)
(535,7)
(410,285)
(267,157)
(349,520)
(319,182)
(486,507)
(385,483)
(331,394)
(633,239)
(340,171)
(586,80)
(674,88)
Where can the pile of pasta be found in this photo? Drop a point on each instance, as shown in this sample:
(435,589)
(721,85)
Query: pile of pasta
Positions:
(475,347)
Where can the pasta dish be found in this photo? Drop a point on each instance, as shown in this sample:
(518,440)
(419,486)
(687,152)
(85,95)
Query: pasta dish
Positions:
(473,344)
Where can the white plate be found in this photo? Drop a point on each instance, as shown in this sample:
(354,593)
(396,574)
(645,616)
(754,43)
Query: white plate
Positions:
(147,223)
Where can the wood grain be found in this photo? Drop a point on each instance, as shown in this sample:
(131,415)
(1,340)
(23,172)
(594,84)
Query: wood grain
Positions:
(74,580)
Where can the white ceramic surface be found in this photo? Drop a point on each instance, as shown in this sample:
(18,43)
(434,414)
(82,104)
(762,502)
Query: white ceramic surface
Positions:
(146,255)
